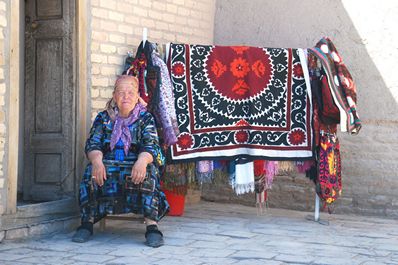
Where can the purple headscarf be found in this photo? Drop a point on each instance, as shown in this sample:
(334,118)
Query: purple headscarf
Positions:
(121,127)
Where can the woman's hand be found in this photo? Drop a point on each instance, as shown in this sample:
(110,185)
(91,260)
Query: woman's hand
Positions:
(138,172)
(98,171)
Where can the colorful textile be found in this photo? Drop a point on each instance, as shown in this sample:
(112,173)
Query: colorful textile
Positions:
(328,182)
(166,109)
(271,170)
(340,83)
(143,138)
(237,101)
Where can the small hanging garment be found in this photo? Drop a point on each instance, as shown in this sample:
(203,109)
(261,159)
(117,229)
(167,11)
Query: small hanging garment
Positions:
(328,182)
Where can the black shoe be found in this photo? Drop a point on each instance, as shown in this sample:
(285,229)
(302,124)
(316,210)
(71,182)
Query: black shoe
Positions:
(83,233)
(154,238)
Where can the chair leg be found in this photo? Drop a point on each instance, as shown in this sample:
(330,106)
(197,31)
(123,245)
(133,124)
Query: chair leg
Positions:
(102,224)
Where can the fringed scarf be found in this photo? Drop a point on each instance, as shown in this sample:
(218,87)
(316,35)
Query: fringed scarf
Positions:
(244,178)
(121,129)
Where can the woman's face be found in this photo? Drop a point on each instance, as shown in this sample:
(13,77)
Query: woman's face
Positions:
(126,96)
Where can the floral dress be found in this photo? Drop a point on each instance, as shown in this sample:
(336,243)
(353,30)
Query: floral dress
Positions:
(118,194)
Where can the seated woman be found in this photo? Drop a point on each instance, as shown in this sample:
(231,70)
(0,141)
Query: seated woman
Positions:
(123,173)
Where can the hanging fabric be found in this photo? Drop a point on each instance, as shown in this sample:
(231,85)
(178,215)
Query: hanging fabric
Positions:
(240,101)
(244,178)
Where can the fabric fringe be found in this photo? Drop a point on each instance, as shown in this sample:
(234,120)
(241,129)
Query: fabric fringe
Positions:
(243,188)
(286,167)
(271,170)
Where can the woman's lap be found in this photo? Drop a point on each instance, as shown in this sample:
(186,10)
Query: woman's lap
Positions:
(119,195)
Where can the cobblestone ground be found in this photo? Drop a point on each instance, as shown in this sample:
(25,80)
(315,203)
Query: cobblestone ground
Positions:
(212,233)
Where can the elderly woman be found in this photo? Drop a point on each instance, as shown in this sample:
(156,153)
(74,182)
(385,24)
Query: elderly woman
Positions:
(123,173)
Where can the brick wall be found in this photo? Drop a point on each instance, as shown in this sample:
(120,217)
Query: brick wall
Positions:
(3,29)
(368,47)
(116,28)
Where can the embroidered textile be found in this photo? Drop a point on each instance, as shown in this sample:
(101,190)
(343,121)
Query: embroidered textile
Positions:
(236,101)
(328,182)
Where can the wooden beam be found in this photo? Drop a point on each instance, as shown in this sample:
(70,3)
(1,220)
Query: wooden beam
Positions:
(13,106)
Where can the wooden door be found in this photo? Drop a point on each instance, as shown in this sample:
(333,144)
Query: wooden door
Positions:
(49,108)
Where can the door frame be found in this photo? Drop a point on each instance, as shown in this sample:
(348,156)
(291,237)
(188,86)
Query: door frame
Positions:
(15,111)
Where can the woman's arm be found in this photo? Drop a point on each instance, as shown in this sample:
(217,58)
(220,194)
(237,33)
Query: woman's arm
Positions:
(94,150)
(150,151)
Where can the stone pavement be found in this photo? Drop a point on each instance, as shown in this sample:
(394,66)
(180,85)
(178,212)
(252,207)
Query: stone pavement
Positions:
(212,233)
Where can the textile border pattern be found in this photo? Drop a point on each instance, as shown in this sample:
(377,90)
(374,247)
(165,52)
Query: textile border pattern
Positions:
(240,102)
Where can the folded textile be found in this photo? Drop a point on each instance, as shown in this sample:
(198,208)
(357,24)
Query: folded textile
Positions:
(340,83)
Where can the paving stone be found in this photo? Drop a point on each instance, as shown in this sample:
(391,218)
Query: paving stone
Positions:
(248,254)
(203,252)
(207,237)
(237,234)
(19,251)
(209,244)
(12,257)
(99,258)
(133,260)
(47,260)
(259,262)
(211,233)
(293,258)
(178,242)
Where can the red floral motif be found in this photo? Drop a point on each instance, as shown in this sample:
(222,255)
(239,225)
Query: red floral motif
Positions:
(185,141)
(178,69)
(258,68)
(240,88)
(241,137)
(218,68)
(239,67)
(242,122)
(239,49)
(296,137)
(298,71)
(256,75)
